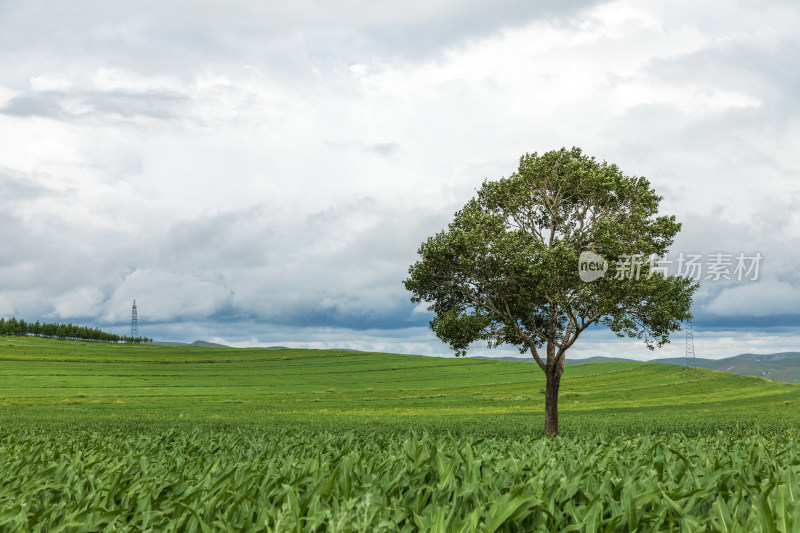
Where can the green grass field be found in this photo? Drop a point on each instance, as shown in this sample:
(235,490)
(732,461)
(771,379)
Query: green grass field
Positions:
(117,437)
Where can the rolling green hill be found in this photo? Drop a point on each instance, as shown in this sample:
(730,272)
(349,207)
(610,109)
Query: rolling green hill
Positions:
(784,366)
(51,377)
(99,437)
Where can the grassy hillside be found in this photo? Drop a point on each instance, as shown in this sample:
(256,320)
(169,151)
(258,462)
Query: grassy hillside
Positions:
(178,438)
(783,366)
(56,378)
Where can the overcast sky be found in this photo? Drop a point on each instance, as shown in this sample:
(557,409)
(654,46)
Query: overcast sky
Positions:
(261,173)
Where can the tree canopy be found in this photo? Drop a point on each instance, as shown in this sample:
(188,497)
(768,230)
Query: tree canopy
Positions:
(19,327)
(506,270)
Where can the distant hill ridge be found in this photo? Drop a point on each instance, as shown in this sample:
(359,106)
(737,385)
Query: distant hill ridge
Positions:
(208,344)
(782,366)
(205,344)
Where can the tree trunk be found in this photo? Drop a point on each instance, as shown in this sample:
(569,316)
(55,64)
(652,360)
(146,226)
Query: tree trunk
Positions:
(551,400)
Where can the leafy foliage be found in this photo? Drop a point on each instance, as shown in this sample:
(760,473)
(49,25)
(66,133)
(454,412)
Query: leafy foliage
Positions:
(506,269)
(217,478)
(175,438)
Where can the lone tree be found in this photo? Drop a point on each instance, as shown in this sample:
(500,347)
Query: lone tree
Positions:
(506,270)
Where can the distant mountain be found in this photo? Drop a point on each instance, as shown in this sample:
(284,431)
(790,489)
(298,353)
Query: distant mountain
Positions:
(505,358)
(195,343)
(208,344)
(782,356)
(597,359)
(783,366)
(567,360)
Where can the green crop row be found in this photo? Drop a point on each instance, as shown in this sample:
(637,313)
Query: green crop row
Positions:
(194,477)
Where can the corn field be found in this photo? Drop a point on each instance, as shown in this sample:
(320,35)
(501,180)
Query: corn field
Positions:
(256,479)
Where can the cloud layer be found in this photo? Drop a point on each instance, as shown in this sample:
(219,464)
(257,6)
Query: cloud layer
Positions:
(263,174)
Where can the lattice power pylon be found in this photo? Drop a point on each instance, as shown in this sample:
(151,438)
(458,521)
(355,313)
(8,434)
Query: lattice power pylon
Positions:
(690,361)
(134,321)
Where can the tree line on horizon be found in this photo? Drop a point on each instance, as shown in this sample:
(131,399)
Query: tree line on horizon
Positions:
(54,330)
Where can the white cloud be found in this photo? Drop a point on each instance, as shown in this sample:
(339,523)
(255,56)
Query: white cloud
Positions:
(285,169)
(757,299)
(80,302)
(45,82)
(166,296)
